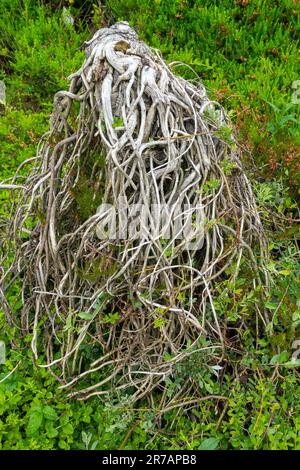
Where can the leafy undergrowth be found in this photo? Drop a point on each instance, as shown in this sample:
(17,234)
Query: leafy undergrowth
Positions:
(261,410)
(242,51)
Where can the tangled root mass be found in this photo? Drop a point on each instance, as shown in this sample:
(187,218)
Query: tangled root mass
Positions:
(129,139)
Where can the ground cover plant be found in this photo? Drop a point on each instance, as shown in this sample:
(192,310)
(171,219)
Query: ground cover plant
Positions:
(258,369)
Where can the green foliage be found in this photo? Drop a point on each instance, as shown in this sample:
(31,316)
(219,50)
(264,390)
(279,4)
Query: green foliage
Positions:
(209,444)
(259,413)
(87,199)
(111,318)
(20,131)
(40,51)
(209,186)
(118,122)
(241,50)
(225,133)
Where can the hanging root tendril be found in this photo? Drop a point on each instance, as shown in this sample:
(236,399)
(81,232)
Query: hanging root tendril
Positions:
(132,140)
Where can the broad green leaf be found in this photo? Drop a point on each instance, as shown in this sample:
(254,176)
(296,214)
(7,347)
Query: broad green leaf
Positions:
(51,431)
(85,315)
(35,421)
(271,305)
(280,358)
(209,444)
(50,413)
(68,428)
(285,272)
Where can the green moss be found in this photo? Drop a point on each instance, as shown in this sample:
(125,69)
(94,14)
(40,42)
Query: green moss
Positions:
(86,199)
(97,270)
(89,189)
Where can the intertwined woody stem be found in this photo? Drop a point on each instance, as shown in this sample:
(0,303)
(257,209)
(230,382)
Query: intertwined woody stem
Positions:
(119,313)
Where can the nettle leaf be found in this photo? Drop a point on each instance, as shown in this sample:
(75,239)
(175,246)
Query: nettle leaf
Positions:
(209,444)
(68,429)
(50,413)
(51,431)
(35,420)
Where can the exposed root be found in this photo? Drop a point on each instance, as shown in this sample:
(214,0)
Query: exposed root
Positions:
(122,311)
